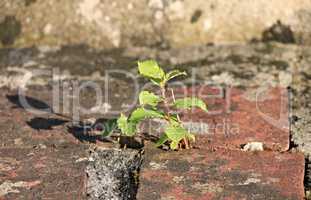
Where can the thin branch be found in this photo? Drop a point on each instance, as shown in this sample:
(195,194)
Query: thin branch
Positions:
(187,143)
(166,106)
(174,100)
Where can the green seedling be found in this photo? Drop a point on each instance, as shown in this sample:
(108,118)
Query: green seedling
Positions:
(175,134)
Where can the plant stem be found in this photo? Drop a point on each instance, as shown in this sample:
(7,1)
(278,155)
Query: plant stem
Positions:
(166,106)
(187,143)
(172,92)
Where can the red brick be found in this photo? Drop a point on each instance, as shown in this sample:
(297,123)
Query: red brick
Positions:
(57,175)
(235,120)
(223,174)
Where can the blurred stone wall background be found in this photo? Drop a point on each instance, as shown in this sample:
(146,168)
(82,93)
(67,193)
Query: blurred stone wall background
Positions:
(169,23)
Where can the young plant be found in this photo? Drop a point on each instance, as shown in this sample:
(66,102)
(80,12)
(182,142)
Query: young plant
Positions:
(174,133)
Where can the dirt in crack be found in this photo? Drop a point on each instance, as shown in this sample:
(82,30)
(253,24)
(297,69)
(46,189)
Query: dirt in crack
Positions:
(113,174)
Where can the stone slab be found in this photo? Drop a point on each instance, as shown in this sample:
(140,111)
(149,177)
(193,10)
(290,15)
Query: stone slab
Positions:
(223,174)
(41,174)
(240,116)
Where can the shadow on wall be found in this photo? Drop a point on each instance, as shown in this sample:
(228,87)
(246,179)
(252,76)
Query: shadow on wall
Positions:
(81,130)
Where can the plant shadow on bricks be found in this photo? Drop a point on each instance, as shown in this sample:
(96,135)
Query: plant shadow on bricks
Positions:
(112,173)
(32,103)
(40,123)
(78,130)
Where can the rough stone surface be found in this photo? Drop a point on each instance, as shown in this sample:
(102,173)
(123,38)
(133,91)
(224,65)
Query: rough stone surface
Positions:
(38,162)
(199,174)
(107,24)
(239,117)
(241,66)
(52,173)
(113,174)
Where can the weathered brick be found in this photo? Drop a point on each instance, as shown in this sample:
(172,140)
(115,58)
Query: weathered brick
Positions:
(45,173)
(222,174)
(236,117)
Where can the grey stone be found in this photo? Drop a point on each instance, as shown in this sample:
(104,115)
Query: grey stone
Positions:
(113,174)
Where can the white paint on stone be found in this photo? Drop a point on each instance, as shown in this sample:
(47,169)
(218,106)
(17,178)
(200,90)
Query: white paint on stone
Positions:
(251,180)
(253,146)
(47,29)
(10,187)
(207,25)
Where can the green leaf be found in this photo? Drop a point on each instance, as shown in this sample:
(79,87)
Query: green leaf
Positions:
(148,98)
(174,73)
(173,119)
(142,113)
(175,132)
(162,140)
(127,128)
(188,103)
(151,70)
(109,126)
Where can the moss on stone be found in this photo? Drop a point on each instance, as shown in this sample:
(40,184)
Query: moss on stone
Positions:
(29,2)
(10,29)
